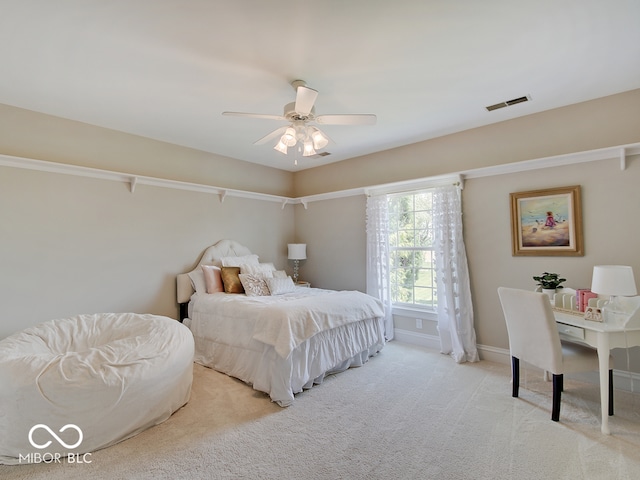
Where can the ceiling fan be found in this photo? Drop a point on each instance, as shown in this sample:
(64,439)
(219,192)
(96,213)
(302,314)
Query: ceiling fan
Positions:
(300,114)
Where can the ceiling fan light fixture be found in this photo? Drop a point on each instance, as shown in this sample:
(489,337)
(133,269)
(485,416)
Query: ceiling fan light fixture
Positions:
(300,129)
(281,147)
(289,137)
(308,149)
(319,139)
(306,140)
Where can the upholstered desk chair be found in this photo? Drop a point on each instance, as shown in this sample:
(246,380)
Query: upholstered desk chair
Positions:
(534,339)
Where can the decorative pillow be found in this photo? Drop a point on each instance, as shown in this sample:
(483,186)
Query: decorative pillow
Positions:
(237,261)
(278,286)
(230,279)
(212,278)
(197,280)
(279,274)
(264,269)
(254,284)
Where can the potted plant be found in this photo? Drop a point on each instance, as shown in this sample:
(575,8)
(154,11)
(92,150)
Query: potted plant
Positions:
(549,282)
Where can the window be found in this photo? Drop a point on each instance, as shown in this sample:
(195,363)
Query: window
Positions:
(412,261)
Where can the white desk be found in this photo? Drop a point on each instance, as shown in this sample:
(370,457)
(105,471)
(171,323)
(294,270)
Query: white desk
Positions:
(603,337)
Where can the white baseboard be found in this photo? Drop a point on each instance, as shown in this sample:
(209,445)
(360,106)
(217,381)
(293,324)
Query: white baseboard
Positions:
(491,354)
(622,380)
(415,338)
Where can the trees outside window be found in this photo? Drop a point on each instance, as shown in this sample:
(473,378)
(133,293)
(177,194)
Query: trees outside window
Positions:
(412,260)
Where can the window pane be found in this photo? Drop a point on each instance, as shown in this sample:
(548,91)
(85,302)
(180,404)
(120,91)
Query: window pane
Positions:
(393,238)
(423,219)
(425,279)
(411,242)
(423,201)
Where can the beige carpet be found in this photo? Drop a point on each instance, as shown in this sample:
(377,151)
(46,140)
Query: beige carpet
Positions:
(409,413)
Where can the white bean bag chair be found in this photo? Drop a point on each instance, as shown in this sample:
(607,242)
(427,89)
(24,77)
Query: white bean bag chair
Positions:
(75,385)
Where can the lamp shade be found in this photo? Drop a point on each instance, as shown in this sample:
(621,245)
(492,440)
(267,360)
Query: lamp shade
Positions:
(281,147)
(308,149)
(616,280)
(297,251)
(319,139)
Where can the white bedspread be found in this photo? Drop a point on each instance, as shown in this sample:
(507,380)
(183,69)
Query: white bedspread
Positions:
(282,321)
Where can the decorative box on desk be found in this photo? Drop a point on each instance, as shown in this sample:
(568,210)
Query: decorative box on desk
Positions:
(567,299)
(619,312)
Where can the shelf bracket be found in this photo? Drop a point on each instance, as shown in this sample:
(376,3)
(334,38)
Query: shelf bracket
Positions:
(132,184)
(304,204)
(623,158)
(223,195)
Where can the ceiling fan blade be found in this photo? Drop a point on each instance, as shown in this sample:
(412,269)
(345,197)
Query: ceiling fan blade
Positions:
(305,98)
(255,115)
(271,136)
(346,119)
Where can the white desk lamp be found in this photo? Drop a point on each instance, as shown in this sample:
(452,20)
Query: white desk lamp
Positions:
(615,281)
(297,252)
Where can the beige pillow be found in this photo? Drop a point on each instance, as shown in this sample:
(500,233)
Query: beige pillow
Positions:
(254,284)
(212,278)
(231,280)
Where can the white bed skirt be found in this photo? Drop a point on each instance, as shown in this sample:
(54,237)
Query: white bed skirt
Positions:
(325,353)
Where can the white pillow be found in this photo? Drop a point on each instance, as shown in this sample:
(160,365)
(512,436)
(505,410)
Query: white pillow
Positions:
(280,274)
(264,269)
(197,280)
(278,286)
(254,284)
(237,261)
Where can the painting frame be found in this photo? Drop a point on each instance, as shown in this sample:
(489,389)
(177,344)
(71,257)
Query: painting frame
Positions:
(547,222)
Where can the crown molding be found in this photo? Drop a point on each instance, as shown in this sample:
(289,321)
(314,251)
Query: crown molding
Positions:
(621,152)
(135,180)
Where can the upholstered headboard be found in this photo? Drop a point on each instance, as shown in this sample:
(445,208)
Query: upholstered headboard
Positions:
(211,256)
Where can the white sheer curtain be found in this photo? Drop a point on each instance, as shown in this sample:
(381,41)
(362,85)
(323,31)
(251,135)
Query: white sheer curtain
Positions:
(455,310)
(378,276)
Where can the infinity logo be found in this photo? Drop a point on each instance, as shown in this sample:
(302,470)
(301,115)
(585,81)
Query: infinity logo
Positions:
(41,425)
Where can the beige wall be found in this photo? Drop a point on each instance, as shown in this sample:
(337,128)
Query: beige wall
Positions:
(600,123)
(74,245)
(611,203)
(42,137)
(334,231)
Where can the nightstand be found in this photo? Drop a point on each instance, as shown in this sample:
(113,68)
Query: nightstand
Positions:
(301,283)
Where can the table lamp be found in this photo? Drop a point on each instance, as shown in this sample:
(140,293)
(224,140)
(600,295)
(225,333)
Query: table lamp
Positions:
(297,252)
(613,280)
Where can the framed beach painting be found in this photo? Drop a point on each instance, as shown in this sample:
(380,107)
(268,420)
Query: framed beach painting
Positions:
(547,222)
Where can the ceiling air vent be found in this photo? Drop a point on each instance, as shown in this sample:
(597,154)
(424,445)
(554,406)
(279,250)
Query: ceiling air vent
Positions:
(320,155)
(508,103)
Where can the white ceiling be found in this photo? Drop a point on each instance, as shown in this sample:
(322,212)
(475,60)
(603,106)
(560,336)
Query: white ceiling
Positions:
(167,69)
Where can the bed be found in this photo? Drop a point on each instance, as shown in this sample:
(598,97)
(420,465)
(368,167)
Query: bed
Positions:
(277,337)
